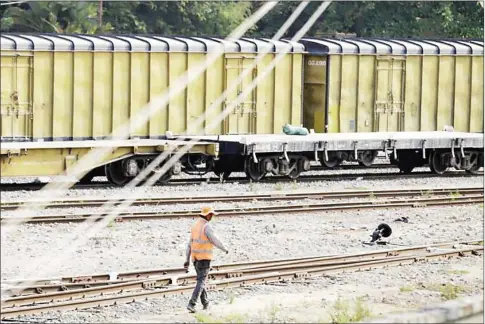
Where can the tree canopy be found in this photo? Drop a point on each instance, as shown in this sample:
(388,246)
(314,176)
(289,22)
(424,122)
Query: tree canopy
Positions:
(197,18)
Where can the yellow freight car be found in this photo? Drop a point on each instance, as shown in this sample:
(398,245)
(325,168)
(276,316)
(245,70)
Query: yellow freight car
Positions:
(60,91)
(371,85)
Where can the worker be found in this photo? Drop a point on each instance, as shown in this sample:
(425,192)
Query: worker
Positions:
(201,243)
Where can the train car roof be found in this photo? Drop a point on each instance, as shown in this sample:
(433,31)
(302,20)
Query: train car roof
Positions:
(354,45)
(141,43)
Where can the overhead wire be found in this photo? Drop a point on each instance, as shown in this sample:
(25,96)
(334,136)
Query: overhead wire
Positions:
(142,116)
(103,222)
(55,190)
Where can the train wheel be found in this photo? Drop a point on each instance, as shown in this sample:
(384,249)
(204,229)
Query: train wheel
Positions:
(114,173)
(367,158)
(435,163)
(295,173)
(474,169)
(253,170)
(333,160)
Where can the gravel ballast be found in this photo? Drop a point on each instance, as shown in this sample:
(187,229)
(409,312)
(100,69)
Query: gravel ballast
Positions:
(149,244)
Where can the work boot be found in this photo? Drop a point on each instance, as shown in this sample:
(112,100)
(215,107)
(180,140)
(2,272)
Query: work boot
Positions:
(191,308)
(205,307)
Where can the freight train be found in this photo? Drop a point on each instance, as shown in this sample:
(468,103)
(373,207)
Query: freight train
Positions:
(62,95)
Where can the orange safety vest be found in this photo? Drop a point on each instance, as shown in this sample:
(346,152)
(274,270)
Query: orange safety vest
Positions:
(200,245)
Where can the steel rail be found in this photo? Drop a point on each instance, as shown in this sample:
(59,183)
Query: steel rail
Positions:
(239,198)
(170,274)
(268,275)
(271,179)
(233,212)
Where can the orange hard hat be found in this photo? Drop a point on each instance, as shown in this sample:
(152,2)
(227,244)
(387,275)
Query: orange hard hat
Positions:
(206,210)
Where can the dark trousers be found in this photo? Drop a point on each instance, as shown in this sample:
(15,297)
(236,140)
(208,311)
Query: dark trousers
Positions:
(202,268)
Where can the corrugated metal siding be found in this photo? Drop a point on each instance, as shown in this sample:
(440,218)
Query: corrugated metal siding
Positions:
(401,85)
(85,86)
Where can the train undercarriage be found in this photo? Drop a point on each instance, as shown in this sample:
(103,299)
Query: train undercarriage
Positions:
(291,165)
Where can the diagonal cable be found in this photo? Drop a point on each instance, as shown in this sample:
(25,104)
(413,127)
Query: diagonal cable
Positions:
(95,156)
(105,220)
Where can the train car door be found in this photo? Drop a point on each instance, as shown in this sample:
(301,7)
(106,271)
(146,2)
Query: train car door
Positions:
(16,97)
(242,119)
(389,94)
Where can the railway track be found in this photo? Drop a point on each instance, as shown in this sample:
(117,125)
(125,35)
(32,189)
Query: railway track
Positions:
(269,179)
(123,215)
(158,284)
(242,198)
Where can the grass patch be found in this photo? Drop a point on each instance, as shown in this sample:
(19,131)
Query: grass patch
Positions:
(455,194)
(427,193)
(448,291)
(206,318)
(372,195)
(231,318)
(406,289)
(344,312)
(273,311)
(235,318)
(111,224)
(278,186)
(458,271)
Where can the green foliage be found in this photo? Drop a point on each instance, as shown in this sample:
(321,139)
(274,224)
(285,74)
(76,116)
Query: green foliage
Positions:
(373,18)
(53,17)
(230,318)
(384,19)
(406,289)
(343,312)
(448,291)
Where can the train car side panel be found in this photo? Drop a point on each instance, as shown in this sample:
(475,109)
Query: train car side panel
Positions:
(334,85)
(214,80)
(43,94)
(121,88)
(16,96)
(176,108)
(63,96)
(476,101)
(348,93)
(265,98)
(365,94)
(396,77)
(158,86)
(139,91)
(6,88)
(429,93)
(445,91)
(283,93)
(82,95)
(461,113)
(412,93)
(102,94)
(297,88)
(196,93)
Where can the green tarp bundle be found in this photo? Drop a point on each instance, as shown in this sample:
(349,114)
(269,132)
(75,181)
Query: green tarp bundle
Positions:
(292,130)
